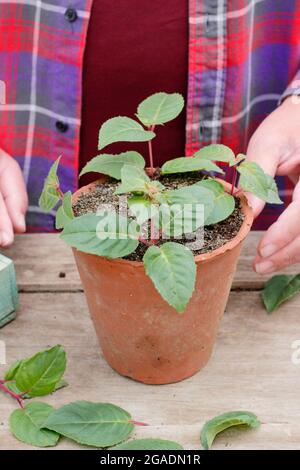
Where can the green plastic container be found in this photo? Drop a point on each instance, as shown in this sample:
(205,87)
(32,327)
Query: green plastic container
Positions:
(8,291)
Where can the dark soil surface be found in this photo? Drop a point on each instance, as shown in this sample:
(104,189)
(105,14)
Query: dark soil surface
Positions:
(214,235)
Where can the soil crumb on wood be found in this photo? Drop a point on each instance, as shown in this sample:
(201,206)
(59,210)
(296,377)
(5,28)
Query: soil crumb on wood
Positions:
(214,236)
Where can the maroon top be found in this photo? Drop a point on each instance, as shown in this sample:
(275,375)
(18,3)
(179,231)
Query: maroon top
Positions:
(134,49)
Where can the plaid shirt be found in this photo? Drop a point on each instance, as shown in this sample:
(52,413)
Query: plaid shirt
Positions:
(242,56)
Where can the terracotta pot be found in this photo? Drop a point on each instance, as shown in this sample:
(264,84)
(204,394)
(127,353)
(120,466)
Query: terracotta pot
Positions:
(141,336)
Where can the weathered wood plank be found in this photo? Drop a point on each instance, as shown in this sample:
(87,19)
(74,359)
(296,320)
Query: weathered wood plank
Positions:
(251,369)
(44,263)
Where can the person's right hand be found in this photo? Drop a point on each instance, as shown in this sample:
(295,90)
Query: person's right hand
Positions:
(13,199)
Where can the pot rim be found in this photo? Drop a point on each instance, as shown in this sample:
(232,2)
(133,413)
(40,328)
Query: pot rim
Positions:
(204,257)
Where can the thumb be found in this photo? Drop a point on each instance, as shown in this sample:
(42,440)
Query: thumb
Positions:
(268,160)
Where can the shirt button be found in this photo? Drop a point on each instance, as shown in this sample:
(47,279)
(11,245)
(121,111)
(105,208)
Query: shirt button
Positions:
(71,15)
(61,126)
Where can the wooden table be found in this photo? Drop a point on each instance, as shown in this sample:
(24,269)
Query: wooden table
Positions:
(251,367)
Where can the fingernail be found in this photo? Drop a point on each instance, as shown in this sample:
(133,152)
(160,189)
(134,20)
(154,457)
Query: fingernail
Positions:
(268,250)
(265,267)
(22,223)
(6,239)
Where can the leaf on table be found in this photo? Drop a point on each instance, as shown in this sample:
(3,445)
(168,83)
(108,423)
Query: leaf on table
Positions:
(11,385)
(64,213)
(217,153)
(172,269)
(112,165)
(93,424)
(149,444)
(160,108)
(11,372)
(105,234)
(61,384)
(39,375)
(224,421)
(223,203)
(13,388)
(25,425)
(122,129)
(278,289)
(50,194)
(187,164)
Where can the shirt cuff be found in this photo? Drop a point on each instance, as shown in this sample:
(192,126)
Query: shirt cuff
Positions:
(292,90)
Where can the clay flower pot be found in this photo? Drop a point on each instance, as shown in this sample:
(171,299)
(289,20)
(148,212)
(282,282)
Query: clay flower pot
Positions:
(141,336)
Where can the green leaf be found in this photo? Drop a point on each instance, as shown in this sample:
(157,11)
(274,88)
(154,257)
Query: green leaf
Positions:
(254,180)
(186,164)
(61,384)
(172,270)
(25,425)
(11,372)
(160,108)
(13,387)
(112,164)
(272,190)
(106,234)
(143,209)
(64,213)
(225,421)
(122,129)
(38,375)
(50,194)
(93,424)
(217,153)
(223,204)
(135,180)
(191,199)
(278,289)
(178,219)
(238,159)
(149,444)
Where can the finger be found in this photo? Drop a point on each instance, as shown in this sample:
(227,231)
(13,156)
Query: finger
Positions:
(6,229)
(287,256)
(14,192)
(268,159)
(284,230)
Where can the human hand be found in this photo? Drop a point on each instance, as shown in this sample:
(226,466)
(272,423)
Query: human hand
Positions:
(275,146)
(13,199)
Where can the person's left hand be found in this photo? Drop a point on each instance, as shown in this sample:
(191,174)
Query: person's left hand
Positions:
(275,146)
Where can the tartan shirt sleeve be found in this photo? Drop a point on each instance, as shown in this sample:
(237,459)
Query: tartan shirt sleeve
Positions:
(41,57)
(242,56)
(293,88)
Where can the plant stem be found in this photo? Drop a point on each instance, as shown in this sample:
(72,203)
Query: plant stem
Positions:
(153,237)
(61,194)
(233,183)
(151,161)
(145,242)
(12,394)
(138,423)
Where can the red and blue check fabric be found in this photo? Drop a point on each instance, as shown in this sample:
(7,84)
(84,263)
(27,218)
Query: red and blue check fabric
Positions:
(243,54)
